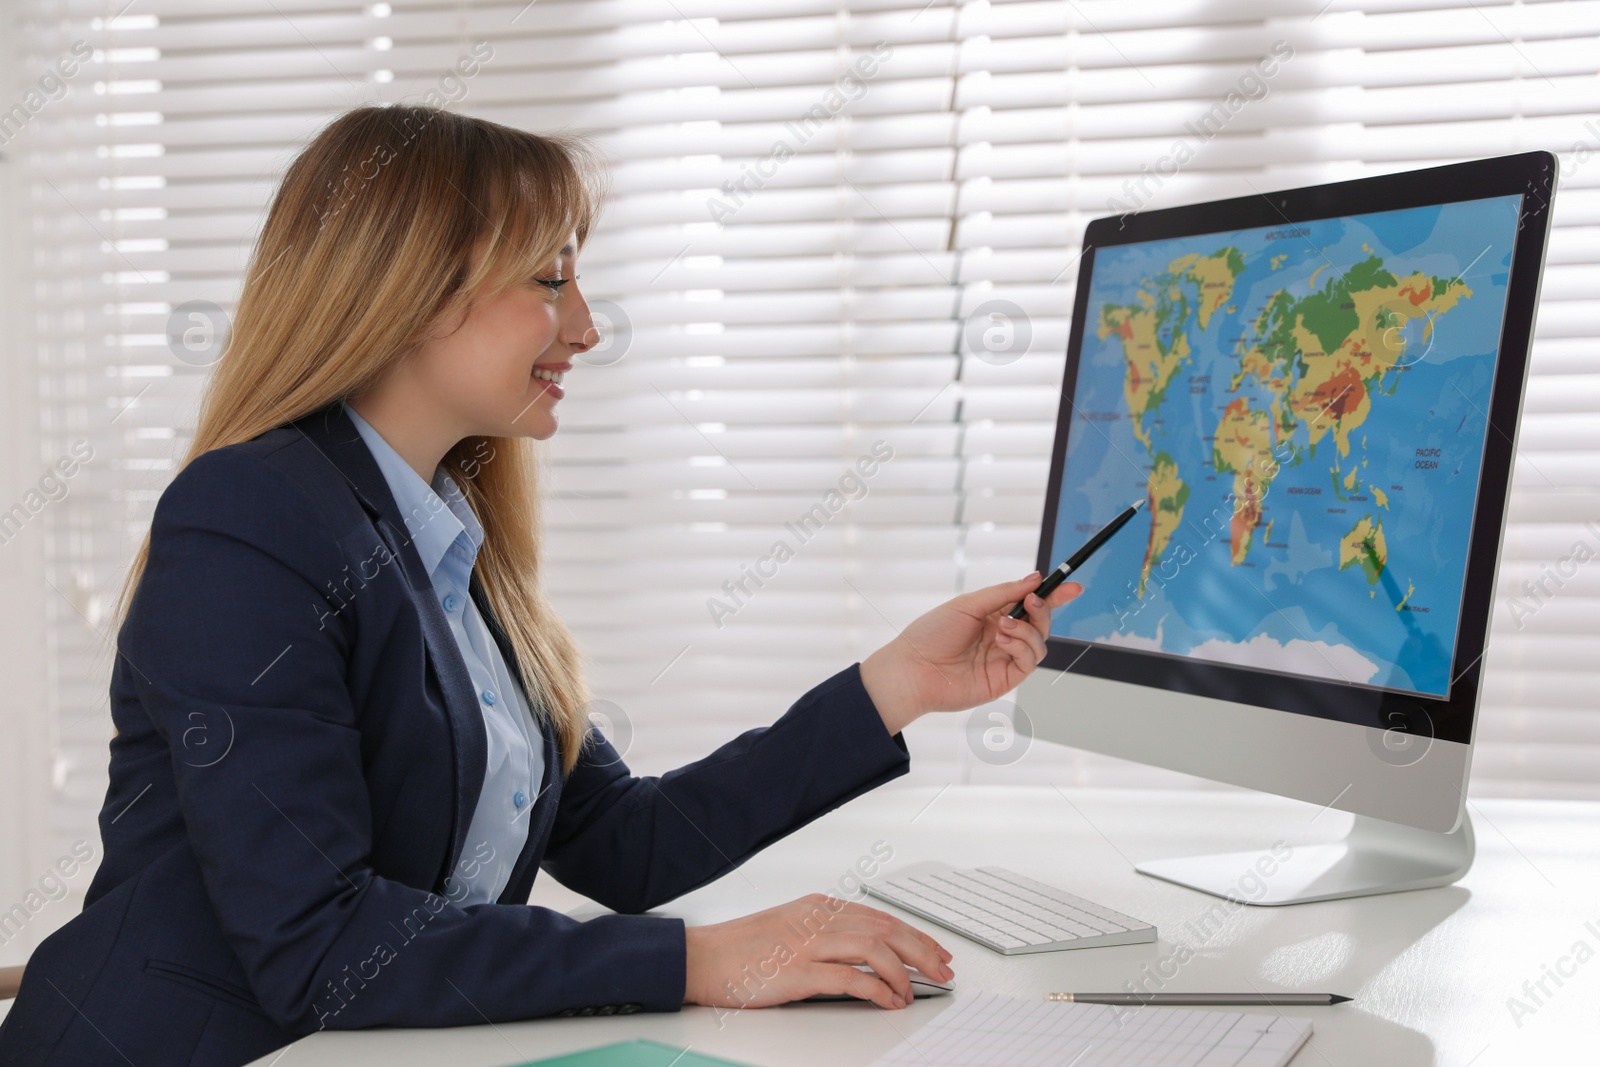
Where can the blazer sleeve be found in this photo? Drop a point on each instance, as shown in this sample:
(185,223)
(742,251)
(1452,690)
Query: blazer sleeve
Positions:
(230,618)
(633,843)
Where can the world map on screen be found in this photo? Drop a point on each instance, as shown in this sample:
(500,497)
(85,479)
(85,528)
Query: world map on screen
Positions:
(1303,408)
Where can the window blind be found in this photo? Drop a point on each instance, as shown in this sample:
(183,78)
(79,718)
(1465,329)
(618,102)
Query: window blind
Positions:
(819,208)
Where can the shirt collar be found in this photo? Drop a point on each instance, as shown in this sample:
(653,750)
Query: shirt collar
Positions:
(436,516)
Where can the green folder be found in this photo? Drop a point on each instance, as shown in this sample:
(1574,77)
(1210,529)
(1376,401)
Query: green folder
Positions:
(634,1054)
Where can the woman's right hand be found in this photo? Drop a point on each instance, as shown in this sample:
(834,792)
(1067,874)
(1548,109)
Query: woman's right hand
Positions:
(807,947)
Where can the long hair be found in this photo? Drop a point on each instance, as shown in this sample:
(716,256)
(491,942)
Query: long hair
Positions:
(369,243)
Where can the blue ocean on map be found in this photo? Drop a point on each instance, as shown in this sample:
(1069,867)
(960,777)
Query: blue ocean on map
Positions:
(1303,408)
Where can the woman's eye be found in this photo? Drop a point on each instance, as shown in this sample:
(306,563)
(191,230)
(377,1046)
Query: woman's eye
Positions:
(554,284)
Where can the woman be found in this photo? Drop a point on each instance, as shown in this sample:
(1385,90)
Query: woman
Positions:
(349,725)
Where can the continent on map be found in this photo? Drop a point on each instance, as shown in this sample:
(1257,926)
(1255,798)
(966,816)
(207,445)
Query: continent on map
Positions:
(1320,356)
(1153,353)
(1364,545)
(1168,494)
(1243,447)
(1152,330)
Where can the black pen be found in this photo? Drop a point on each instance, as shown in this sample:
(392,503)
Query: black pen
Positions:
(1078,558)
(1295,999)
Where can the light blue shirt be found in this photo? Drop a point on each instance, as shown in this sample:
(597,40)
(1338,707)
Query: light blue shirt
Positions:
(447,536)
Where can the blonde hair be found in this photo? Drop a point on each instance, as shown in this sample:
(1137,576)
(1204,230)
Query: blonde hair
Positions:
(370,242)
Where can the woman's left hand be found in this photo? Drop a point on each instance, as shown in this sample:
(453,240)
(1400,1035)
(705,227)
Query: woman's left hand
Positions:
(963,653)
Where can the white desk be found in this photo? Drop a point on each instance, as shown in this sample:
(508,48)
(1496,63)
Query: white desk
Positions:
(1431,970)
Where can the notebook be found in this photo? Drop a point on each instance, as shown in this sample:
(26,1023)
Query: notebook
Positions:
(634,1054)
(990,1030)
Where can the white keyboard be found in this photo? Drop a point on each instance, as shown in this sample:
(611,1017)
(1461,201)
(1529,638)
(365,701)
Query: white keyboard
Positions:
(1004,911)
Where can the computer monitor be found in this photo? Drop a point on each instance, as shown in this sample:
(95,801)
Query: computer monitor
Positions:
(1316,392)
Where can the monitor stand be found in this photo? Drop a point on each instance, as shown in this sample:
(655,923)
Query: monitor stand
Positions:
(1377,856)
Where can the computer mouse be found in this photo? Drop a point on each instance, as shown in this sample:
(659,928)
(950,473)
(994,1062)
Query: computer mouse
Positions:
(921,986)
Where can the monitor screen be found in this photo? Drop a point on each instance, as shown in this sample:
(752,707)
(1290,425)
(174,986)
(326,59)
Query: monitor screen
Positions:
(1304,409)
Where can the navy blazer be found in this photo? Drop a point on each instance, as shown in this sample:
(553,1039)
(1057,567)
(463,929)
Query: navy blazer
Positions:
(299,751)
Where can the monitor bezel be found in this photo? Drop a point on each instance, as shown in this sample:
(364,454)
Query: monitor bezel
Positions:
(1531,176)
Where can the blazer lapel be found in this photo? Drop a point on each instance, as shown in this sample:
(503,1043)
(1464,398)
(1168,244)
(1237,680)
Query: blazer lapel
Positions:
(332,432)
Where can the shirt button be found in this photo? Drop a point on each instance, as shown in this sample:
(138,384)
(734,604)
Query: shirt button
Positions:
(519,798)
(450,602)
(488,697)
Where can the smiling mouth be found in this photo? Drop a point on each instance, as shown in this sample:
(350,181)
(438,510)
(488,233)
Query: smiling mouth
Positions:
(549,375)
